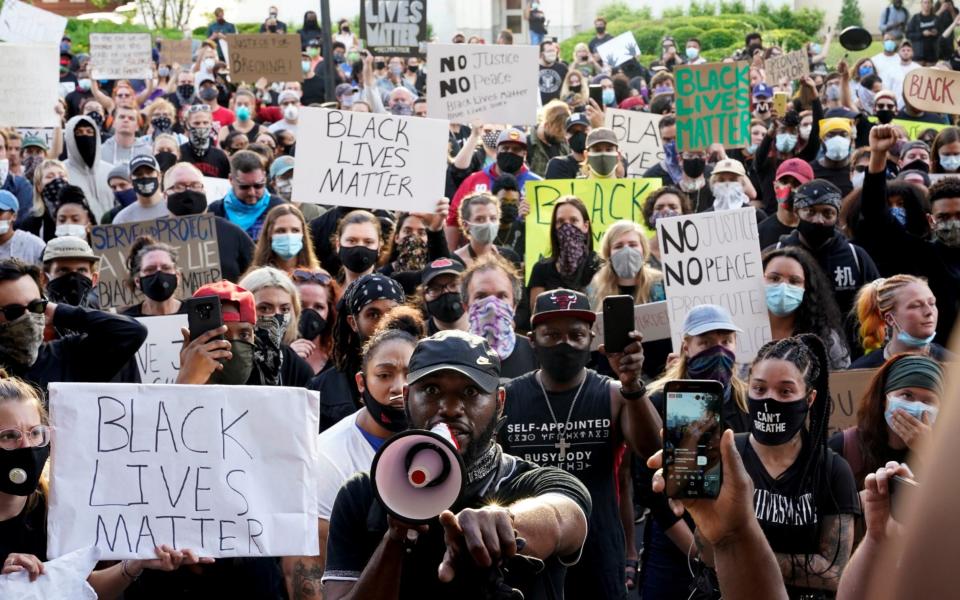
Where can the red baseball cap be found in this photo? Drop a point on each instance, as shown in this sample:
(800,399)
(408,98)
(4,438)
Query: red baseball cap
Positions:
(797,168)
(228,291)
(632,103)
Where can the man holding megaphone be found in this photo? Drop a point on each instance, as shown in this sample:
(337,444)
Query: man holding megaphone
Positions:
(445,513)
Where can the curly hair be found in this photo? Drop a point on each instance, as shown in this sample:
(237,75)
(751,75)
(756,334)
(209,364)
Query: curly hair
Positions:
(686,206)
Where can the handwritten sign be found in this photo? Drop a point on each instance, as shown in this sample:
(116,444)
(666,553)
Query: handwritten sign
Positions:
(121,55)
(619,50)
(24,23)
(714,258)
(394,27)
(489,83)
(223,470)
(158,359)
(194,237)
(933,90)
(29,67)
(847,389)
(638,137)
(64,577)
(273,57)
(370,160)
(787,67)
(607,201)
(44,133)
(713,105)
(651,319)
(176,52)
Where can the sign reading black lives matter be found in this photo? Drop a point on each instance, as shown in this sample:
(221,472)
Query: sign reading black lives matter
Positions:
(222,470)
(194,237)
(394,27)
(714,258)
(492,84)
(370,160)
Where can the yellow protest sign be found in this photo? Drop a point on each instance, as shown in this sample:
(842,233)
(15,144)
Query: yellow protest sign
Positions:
(607,201)
(913,128)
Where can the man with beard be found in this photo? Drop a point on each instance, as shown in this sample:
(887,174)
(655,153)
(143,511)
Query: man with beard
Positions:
(575,419)
(515,526)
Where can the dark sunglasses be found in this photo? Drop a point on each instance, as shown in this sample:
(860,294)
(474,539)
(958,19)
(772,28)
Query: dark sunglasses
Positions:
(885,107)
(247,186)
(301,276)
(12,312)
(860,168)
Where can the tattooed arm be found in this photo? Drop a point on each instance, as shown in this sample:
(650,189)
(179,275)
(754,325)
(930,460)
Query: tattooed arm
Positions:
(302,574)
(822,570)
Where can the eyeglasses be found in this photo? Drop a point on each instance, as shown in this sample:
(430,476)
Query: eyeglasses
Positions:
(178,188)
(436,290)
(195,108)
(246,186)
(12,312)
(37,437)
(301,276)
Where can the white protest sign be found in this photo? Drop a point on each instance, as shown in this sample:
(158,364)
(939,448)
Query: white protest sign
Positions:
(370,160)
(44,133)
(216,188)
(495,84)
(64,577)
(714,258)
(121,55)
(29,85)
(24,23)
(223,470)
(158,359)
(619,50)
(638,136)
(650,319)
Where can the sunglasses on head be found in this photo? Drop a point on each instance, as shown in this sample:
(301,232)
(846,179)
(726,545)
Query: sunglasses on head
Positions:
(12,312)
(301,276)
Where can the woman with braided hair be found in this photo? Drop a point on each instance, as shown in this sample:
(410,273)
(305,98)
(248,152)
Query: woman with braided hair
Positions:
(805,497)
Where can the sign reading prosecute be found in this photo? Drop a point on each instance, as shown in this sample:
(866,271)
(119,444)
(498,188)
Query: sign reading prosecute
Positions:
(713,105)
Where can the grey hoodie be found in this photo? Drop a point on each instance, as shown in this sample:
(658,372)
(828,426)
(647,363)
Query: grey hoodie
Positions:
(93,181)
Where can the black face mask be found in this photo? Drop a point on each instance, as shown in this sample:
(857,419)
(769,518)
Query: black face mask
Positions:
(87,147)
(816,234)
(578,142)
(885,116)
(158,286)
(357,258)
(562,362)
(311,324)
(601,29)
(390,418)
(448,308)
(51,192)
(185,91)
(161,124)
(187,202)
(916,165)
(693,167)
(508,214)
(576,88)
(20,469)
(774,423)
(165,160)
(146,186)
(508,162)
(71,289)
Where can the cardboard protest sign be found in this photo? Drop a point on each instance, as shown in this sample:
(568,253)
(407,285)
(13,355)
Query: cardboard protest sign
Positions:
(487,83)
(370,160)
(194,237)
(394,27)
(176,52)
(933,90)
(64,577)
(714,258)
(607,201)
(30,67)
(650,319)
(787,67)
(223,470)
(713,105)
(619,50)
(158,359)
(121,55)
(273,57)
(638,136)
(26,24)
(847,389)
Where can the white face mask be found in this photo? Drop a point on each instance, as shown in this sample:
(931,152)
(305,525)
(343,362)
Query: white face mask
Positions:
(4,226)
(291,112)
(208,64)
(74,229)
(857,179)
(805,132)
(4,170)
(727,195)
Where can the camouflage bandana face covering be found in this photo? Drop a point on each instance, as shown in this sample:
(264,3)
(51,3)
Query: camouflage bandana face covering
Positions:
(411,254)
(20,339)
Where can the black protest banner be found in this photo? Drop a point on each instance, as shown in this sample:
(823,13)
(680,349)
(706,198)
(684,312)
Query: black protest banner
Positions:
(394,27)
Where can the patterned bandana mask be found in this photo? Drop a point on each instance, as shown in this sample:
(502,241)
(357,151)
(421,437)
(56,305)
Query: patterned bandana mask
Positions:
(573,247)
(492,319)
(411,254)
(21,338)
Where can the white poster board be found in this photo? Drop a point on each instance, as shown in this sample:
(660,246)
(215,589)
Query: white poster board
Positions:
(370,160)
(223,470)
(158,359)
(121,55)
(650,319)
(215,188)
(714,258)
(29,85)
(44,133)
(619,50)
(24,23)
(64,577)
(638,136)
(492,84)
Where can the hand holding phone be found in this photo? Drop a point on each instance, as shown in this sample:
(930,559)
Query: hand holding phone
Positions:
(693,426)
(596,94)
(617,323)
(203,314)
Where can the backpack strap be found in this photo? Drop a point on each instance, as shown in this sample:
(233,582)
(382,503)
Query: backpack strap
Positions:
(851,449)
(856,259)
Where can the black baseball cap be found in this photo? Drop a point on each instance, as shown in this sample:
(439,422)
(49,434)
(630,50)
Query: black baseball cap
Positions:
(441,266)
(555,304)
(143,160)
(459,351)
(577,119)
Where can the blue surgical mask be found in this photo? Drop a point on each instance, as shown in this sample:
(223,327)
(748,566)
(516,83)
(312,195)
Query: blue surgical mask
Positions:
(914,408)
(865,70)
(950,162)
(783,299)
(287,245)
(752,148)
(243,113)
(899,213)
(786,142)
(815,48)
(889,45)
(838,148)
(305,66)
(609,97)
(692,53)
(912,341)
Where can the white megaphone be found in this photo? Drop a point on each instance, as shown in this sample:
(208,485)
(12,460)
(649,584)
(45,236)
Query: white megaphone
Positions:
(418,474)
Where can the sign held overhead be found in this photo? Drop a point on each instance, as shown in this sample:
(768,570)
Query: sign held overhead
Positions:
(713,105)
(274,57)
(394,27)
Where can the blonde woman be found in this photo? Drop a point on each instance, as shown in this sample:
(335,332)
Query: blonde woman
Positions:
(575,91)
(48,179)
(583,61)
(285,241)
(624,250)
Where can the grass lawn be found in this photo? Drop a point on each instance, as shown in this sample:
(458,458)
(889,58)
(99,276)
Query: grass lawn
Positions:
(837,52)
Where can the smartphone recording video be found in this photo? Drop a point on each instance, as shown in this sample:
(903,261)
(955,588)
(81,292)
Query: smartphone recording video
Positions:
(693,425)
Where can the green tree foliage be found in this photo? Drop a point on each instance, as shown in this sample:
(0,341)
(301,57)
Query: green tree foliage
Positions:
(850,15)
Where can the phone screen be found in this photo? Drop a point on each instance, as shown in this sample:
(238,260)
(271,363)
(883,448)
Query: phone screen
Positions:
(691,444)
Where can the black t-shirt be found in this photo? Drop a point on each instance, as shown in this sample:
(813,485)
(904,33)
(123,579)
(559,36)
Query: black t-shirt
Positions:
(587,447)
(876,358)
(837,444)
(551,79)
(838,176)
(538,22)
(770,230)
(358,523)
(213,163)
(544,274)
(26,533)
(521,361)
(562,167)
(598,41)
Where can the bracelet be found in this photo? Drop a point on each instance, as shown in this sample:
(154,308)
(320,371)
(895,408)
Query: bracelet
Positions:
(640,393)
(123,568)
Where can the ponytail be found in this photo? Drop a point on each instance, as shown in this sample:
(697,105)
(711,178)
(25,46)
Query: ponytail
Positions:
(873,329)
